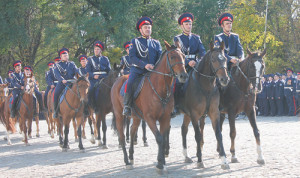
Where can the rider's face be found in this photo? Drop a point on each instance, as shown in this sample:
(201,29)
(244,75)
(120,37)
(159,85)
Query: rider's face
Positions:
(18,68)
(187,27)
(127,51)
(227,26)
(146,30)
(27,72)
(83,62)
(97,51)
(64,57)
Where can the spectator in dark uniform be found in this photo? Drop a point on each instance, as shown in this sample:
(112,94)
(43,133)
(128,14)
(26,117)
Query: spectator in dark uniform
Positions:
(125,61)
(261,97)
(298,91)
(289,92)
(279,94)
(271,95)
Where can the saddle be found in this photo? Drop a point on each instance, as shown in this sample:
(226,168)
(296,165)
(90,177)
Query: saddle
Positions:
(18,104)
(136,87)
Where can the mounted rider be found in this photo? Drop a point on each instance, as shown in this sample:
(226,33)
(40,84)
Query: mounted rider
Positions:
(191,45)
(233,48)
(64,70)
(125,63)
(98,67)
(143,53)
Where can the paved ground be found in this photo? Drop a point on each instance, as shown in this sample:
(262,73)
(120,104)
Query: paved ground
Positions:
(44,158)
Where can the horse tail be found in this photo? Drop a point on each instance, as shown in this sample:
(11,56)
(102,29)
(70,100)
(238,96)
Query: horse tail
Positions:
(2,118)
(114,124)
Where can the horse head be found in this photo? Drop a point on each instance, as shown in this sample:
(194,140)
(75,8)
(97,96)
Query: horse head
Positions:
(175,60)
(29,84)
(82,85)
(218,63)
(254,69)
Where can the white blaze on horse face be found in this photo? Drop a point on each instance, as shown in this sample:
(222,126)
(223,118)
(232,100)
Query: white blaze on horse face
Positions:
(258,66)
(221,57)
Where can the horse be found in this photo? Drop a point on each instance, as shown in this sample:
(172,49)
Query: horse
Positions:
(50,120)
(201,97)
(2,102)
(72,106)
(103,103)
(240,95)
(154,103)
(25,112)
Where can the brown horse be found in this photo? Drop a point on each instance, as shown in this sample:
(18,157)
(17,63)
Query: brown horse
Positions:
(240,95)
(50,120)
(2,102)
(154,103)
(201,98)
(71,107)
(25,112)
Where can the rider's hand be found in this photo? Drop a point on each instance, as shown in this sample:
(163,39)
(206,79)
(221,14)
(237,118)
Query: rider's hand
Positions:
(64,81)
(22,87)
(234,60)
(192,63)
(52,86)
(149,66)
(96,76)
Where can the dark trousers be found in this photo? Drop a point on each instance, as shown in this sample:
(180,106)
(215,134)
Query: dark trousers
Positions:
(39,97)
(279,104)
(15,93)
(260,105)
(272,106)
(58,89)
(266,107)
(132,77)
(46,95)
(291,104)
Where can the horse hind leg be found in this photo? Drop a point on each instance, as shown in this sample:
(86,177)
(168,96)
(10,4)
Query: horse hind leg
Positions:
(75,130)
(79,132)
(127,128)
(184,131)
(98,123)
(83,128)
(167,143)
(202,124)
(252,119)
(66,140)
(37,119)
(133,133)
(231,118)
(92,140)
(104,129)
(200,163)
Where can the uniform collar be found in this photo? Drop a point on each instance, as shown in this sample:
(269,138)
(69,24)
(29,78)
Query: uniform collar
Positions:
(186,34)
(227,34)
(149,37)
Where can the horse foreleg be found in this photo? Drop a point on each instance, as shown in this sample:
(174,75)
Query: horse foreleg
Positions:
(200,163)
(25,131)
(66,141)
(98,123)
(231,118)
(75,130)
(133,133)
(119,125)
(202,124)
(215,119)
(29,126)
(52,125)
(252,119)
(83,129)
(184,131)
(79,132)
(167,143)
(144,125)
(60,131)
(92,140)
(37,120)
(104,128)
(222,118)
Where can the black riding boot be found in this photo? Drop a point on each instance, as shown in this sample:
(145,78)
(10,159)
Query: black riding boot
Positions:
(177,94)
(13,109)
(86,112)
(127,108)
(56,108)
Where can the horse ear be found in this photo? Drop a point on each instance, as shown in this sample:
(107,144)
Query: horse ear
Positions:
(177,44)
(248,51)
(87,75)
(263,53)
(211,46)
(115,66)
(168,46)
(222,45)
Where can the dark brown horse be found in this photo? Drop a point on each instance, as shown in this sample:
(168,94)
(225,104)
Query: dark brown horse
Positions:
(72,107)
(154,103)
(25,112)
(240,95)
(201,97)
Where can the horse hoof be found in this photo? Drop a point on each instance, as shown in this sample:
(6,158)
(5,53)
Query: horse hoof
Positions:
(127,140)
(100,143)
(61,145)
(64,149)
(5,138)
(9,143)
(120,146)
(29,136)
(104,147)
(129,167)
(49,132)
(261,162)
(188,160)
(23,140)
(76,140)
(161,171)
(92,141)
(132,162)
(37,135)
(84,137)
(166,156)
(146,144)
(234,160)
(27,144)
(135,142)
(225,166)
(82,150)
(200,165)
(52,135)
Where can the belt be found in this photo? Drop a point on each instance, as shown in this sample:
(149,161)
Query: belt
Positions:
(234,57)
(190,56)
(70,80)
(297,91)
(99,73)
(55,81)
(288,87)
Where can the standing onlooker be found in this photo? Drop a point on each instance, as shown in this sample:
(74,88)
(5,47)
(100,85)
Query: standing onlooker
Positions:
(279,94)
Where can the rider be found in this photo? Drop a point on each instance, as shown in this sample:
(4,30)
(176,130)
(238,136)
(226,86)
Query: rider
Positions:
(83,61)
(289,92)
(18,85)
(9,81)
(98,67)
(233,48)
(143,53)
(63,71)
(191,45)
(28,71)
(49,80)
(125,61)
